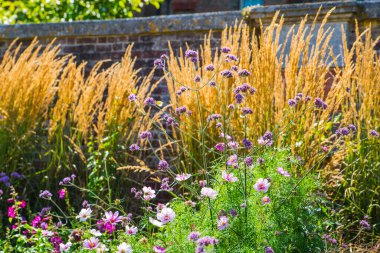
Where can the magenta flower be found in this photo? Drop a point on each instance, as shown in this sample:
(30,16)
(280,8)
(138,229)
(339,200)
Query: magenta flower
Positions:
(262,185)
(222,222)
(61,193)
(11,212)
(229,177)
(91,243)
(220,147)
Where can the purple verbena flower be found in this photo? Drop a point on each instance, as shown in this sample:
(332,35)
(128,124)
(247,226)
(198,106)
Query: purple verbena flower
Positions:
(226,73)
(248,161)
(194,236)
(163,165)
(210,67)
(197,79)
(134,147)
(292,102)
(212,83)
(225,50)
(319,103)
(132,97)
(246,110)
(145,135)
(244,72)
(365,224)
(239,98)
(45,194)
(373,133)
(247,144)
(150,101)
(231,57)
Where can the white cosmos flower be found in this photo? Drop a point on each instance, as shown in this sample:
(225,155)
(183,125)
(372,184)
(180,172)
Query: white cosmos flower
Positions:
(84,214)
(95,232)
(124,248)
(64,247)
(155,222)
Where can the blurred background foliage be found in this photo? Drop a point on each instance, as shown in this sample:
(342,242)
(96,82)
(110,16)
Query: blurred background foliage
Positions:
(38,11)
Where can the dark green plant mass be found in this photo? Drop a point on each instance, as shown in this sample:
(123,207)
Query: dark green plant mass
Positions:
(37,11)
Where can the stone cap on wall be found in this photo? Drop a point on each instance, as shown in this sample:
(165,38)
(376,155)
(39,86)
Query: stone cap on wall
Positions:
(344,11)
(133,26)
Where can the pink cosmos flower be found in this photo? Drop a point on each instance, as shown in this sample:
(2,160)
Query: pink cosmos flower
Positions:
(283,172)
(131,230)
(229,177)
(91,243)
(232,160)
(222,222)
(233,145)
(262,185)
(265,200)
(182,177)
(112,217)
(166,215)
(208,192)
(148,193)
(159,249)
(65,247)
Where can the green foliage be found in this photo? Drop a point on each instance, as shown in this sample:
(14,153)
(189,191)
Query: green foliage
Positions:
(37,11)
(292,222)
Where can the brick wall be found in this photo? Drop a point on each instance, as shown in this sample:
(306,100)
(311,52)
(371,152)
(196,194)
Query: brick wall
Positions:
(100,40)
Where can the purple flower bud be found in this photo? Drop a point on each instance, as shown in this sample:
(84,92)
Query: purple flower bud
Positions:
(244,72)
(159,64)
(365,224)
(190,54)
(352,127)
(319,103)
(246,110)
(239,98)
(194,236)
(225,50)
(180,110)
(233,212)
(210,67)
(248,161)
(292,102)
(231,57)
(163,165)
(342,131)
(134,147)
(373,133)
(197,79)
(132,97)
(231,106)
(45,194)
(150,101)
(226,73)
(212,83)
(145,135)
(235,68)
(247,144)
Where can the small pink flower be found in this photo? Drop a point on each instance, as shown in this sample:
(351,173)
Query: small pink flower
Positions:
(91,243)
(262,185)
(112,218)
(222,222)
(182,177)
(229,177)
(208,192)
(166,215)
(61,193)
(265,200)
(283,172)
(131,230)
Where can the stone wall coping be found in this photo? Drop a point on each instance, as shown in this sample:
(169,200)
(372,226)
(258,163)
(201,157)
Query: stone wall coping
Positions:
(132,26)
(344,10)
